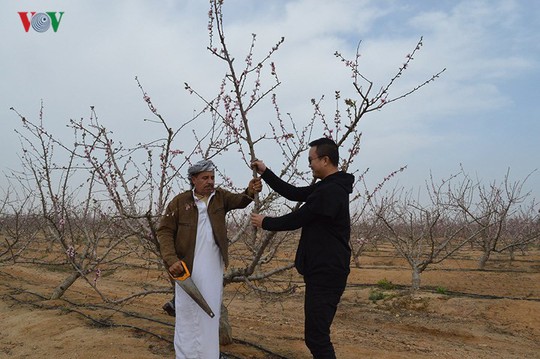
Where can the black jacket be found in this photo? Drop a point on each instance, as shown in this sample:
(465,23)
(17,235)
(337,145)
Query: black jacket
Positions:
(323,254)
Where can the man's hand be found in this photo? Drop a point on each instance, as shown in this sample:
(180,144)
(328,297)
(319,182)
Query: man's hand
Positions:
(255,186)
(177,269)
(259,166)
(257,219)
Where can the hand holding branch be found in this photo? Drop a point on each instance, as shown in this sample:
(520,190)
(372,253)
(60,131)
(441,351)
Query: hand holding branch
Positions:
(259,166)
(257,220)
(254,186)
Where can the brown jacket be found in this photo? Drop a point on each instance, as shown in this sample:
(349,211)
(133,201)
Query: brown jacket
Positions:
(177,230)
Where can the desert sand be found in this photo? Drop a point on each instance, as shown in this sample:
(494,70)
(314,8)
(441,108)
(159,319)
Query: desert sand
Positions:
(460,312)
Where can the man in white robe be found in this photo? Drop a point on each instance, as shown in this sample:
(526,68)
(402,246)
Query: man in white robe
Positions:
(193,230)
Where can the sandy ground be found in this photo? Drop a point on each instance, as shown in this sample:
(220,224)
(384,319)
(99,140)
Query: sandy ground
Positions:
(482,314)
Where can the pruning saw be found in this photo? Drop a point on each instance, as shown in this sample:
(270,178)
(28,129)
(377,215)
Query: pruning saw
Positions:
(191,289)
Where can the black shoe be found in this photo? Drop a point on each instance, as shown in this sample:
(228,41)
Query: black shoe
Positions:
(169,308)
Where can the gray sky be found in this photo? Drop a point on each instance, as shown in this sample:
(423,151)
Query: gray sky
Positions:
(482,113)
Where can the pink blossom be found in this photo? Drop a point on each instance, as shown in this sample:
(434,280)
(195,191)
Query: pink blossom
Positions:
(98,275)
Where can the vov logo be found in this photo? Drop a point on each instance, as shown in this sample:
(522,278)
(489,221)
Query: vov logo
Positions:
(41,21)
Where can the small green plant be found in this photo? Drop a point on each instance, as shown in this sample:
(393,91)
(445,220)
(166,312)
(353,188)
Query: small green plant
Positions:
(386,284)
(376,295)
(441,290)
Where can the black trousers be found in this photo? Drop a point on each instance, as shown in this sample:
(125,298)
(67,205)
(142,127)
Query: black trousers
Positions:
(320,304)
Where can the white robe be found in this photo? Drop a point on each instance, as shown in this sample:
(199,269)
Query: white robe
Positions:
(196,335)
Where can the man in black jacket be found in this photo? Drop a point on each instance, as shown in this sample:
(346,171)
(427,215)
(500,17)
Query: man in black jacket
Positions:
(323,254)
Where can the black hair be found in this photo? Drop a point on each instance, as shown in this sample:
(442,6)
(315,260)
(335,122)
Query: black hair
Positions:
(326,147)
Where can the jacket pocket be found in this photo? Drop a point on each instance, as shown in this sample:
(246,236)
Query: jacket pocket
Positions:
(183,224)
(218,211)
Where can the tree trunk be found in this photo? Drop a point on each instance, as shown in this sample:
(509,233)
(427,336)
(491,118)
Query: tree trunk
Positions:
(415,279)
(512,251)
(483,259)
(356,261)
(225,330)
(61,289)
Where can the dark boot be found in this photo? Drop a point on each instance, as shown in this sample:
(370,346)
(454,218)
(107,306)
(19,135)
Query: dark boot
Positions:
(169,308)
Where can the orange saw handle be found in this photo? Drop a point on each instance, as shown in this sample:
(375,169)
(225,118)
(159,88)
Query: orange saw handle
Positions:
(184,276)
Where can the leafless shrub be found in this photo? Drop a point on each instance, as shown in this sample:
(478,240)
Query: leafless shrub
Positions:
(499,213)
(423,234)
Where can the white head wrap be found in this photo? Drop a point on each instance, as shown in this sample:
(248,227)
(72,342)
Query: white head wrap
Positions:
(201,166)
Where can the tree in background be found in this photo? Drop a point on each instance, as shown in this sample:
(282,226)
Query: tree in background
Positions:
(423,232)
(499,214)
(456,212)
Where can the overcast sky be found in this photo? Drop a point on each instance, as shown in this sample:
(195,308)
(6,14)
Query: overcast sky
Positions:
(482,113)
